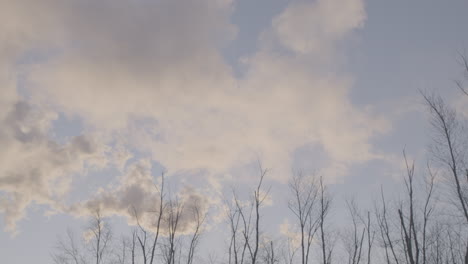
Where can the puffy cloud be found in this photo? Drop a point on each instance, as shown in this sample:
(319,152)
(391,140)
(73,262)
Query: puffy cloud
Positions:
(314,26)
(136,197)
(133,57)
(34,168)
(150,76)
(281,104)
(135,193)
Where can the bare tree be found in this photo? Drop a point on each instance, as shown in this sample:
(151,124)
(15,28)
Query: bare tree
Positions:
(437,246)
(448,148)
(212,258)
(235,253)
(148,239)
(304,192)
(246,228)
(464,63)
(354,240)
(370,236)
(172,220)
(385,227)
(258,200)
(249,219)
(133,246)
(141,235)
(410,238)
(449,151)
(68,251)
(96,249)
(127,251)
(121,255)
(102,235)
(427,213)
(199,219)
(289,251)
(410,233)
(325,201)
(270,254)
(159,217)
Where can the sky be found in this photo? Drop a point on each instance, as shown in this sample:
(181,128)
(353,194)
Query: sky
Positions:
(98,98)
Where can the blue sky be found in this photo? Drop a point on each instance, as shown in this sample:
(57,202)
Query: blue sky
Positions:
(203,89)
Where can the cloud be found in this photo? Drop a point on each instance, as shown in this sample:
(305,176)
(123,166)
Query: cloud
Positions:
(135,193)
(136,197)
(314,26)
(289,231)
(34,168)
(281,104)
(150,77)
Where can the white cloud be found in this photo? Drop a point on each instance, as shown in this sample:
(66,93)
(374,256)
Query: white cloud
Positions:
(150,75)
(287,230)
(314,26)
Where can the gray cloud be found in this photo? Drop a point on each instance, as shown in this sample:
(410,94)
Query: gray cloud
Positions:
(34,168)
(136,196)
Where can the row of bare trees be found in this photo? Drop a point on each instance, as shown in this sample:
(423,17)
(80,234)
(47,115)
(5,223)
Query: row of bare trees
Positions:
(163,241)
(431,220)
(427,224)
